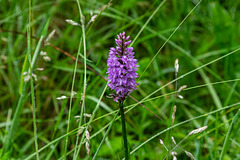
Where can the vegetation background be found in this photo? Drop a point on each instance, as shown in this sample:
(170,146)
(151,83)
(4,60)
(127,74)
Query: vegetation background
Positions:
(203,35)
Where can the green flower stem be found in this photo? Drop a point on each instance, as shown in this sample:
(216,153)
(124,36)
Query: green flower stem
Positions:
(124,130)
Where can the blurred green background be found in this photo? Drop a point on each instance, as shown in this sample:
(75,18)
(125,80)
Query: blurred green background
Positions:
(210,31)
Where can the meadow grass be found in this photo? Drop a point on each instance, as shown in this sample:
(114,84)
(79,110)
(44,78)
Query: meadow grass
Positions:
(204,37)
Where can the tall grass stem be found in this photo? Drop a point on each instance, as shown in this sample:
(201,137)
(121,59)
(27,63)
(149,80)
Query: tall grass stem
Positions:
(31,78)
(82,20)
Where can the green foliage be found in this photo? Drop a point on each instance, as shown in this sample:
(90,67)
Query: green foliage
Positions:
(206,44)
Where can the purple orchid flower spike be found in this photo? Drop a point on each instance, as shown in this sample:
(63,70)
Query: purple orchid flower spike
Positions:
(122,68)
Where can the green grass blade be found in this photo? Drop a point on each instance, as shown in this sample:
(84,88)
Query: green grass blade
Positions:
(105,136)
(227,139)
(181,123)
(169,38)
(143,27)
(189,120)
(10,136)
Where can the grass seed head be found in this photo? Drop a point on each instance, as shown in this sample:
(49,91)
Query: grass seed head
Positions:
(72,22)
(180,96)
(189,155)
(80,130)
(161,141)
(49,37)
(182,88)
(73,93)
(40,69)
(87,145)
(176,66)
(173,114)
(26,78)
(62,97)
(196,131)
(46,58)
(93,18)
(173,140)
(43,53)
